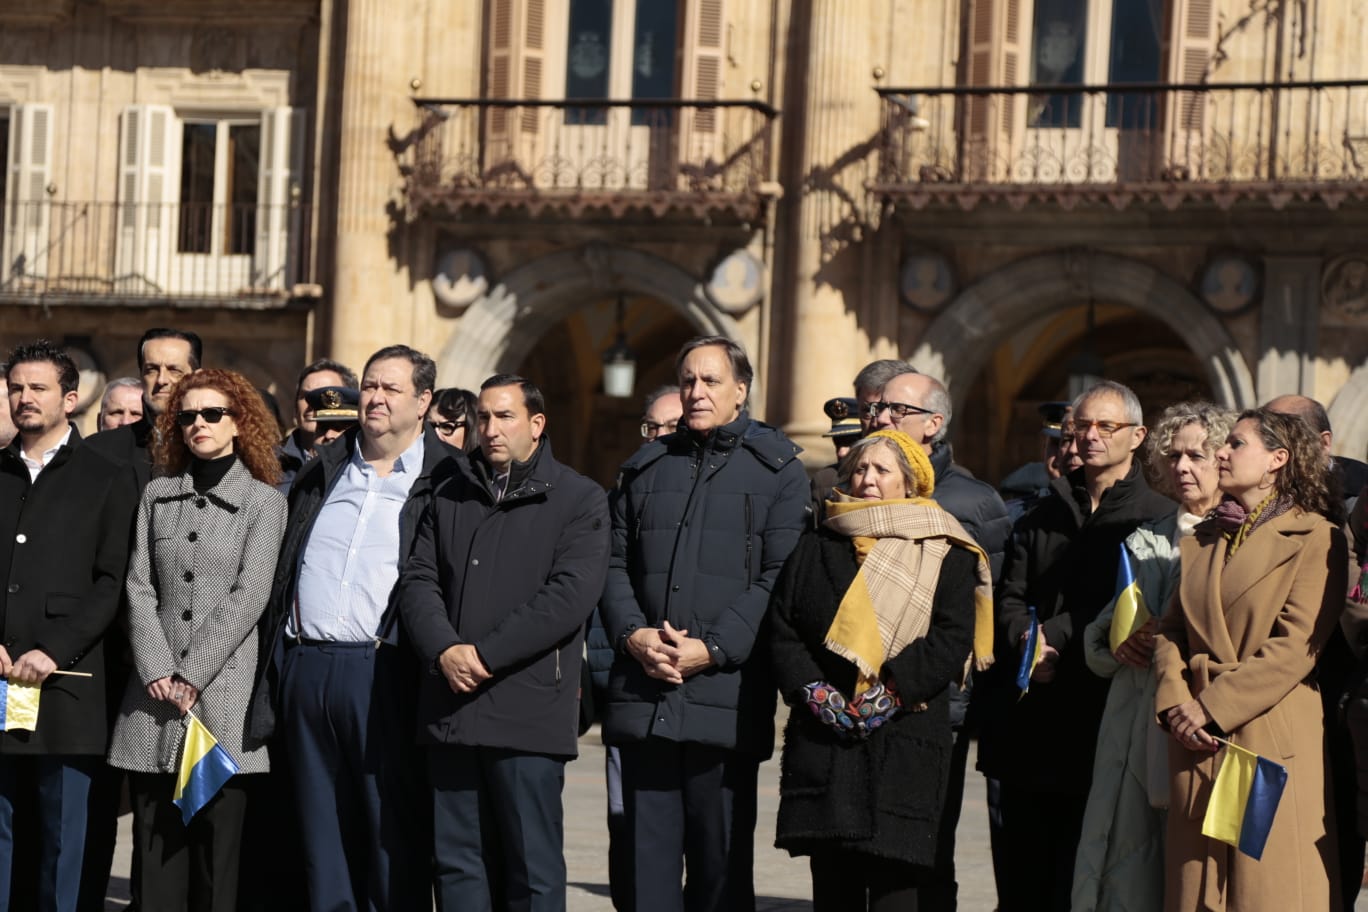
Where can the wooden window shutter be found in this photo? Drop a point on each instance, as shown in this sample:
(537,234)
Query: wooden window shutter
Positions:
(29,211)
(703,75)
(149,164)
(517,61)
(1190,50)
(997,59)
(533,60)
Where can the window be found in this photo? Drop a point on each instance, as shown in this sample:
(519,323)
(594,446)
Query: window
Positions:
(621,49)
(220,165)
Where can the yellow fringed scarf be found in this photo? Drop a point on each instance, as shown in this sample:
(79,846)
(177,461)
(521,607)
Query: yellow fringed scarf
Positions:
(900,545)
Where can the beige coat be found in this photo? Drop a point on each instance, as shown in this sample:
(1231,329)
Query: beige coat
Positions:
(1244,639)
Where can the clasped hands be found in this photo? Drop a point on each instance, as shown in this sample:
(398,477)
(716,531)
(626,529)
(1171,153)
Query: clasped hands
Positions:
(463,668)
(1137,650)
(668,654)
(859,717)
(1186,722)
(175,690)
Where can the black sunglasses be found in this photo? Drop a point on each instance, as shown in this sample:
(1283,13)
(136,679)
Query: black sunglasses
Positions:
(447,427)
(213,414)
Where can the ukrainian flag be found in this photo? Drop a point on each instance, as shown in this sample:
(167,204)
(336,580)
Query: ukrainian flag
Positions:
(18,706)
(1244,800)
(1030,654)
(1130,613)
(204,768)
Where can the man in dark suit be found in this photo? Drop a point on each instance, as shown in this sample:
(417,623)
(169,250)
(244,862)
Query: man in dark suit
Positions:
(510,559)
(65,515)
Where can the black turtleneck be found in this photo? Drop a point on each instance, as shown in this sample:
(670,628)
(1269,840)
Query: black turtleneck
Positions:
(206,473)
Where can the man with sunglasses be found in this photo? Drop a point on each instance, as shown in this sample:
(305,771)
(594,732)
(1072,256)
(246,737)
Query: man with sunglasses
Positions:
(299,445)
(919,405)
(1063,564)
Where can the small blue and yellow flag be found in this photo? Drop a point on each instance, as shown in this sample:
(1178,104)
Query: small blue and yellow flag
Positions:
(1030,654)
(1130,613)
(18,706)
(1244,800)
(204,768)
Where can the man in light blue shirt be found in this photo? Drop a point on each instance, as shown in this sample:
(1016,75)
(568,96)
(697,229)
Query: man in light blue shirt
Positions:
(341,688)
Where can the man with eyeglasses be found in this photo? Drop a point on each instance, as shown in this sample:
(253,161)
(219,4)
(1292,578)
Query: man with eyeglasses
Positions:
(663,411)
(1063,564)
(299,445)
(919,405)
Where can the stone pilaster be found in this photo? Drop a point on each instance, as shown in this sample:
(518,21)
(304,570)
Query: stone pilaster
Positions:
(1289,320)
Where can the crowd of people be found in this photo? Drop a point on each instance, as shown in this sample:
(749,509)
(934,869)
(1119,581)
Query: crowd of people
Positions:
(397,619)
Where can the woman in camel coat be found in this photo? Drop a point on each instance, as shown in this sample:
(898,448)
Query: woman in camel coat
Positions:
(1262,587)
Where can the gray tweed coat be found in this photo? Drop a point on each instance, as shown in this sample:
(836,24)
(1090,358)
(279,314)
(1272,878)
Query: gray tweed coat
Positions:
(198,582)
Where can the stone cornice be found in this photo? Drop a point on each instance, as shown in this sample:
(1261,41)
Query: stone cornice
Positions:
(29,13)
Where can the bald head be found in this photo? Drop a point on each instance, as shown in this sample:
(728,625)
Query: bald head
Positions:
(1308,410)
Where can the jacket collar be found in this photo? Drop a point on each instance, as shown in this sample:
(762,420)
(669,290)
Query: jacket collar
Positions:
(62,455)
(1116,500)
(333,456)
(941,458)
(526,479)
(230,493)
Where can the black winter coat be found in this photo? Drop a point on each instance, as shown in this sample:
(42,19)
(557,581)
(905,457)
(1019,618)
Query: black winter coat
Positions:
(517,580)
(884,795)
(701,529)
(129,445)
(977,506)
(307,496)
(1063,561)
(63,554)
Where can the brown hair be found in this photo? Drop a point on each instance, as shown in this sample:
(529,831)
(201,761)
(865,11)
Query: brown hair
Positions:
(256,439)
(1306,477)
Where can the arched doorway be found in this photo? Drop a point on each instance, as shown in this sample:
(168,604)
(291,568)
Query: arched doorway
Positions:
(553,318)
(1002,346)
(593,432)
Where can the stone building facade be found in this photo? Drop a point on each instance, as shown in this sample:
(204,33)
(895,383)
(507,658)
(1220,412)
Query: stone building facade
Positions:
(1014,194)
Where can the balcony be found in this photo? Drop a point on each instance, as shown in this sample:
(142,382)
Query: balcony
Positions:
(239,256)
(1125,143)
(664,158)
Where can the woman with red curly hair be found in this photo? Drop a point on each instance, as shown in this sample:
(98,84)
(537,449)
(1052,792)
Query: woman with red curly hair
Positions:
(204,555)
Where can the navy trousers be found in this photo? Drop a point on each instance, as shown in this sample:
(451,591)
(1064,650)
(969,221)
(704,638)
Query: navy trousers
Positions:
(498,829)
(690,807)
(60,786)
(347,722)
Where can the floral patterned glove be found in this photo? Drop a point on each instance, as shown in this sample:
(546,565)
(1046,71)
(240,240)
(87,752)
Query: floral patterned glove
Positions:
(829,706)
(875,706)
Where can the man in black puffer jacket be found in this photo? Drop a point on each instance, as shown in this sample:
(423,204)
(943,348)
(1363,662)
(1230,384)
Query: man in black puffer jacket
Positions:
(703,520)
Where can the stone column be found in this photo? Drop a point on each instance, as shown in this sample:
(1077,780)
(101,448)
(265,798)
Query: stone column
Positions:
(829,157)
(1289,320)
(367,309)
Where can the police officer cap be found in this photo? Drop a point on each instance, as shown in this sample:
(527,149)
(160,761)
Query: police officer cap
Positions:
(844,413)
(334,403)
(1052,418)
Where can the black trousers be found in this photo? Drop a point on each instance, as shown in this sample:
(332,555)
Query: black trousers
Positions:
(498,830)
(850,882)
(690,807)
(102,828)
(1042,830)
(193,867)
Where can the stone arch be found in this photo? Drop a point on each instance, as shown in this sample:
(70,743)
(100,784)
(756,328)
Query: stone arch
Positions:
(959,342)
(503,325)
(1349,416)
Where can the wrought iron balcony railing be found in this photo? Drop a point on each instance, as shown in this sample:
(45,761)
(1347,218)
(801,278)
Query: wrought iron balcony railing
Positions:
(702,158)
(1169,140)
(103,252)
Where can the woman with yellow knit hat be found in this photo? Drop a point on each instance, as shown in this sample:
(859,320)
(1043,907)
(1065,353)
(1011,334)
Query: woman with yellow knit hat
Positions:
(873,616)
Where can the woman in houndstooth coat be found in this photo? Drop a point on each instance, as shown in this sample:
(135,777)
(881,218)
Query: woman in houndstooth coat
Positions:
(204,554)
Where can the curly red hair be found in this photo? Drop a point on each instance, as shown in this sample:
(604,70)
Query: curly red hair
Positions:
(257,430)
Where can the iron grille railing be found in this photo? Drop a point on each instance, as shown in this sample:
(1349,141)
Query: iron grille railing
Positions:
(110,250)
(493,153)
(1063,136)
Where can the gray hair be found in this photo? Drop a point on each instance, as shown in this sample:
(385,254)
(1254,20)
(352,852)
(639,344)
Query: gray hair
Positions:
(1216,421)
(1130,404)
(130,382)
(659,393)
(740,364)
(938,400)
(874,375)
(847,466)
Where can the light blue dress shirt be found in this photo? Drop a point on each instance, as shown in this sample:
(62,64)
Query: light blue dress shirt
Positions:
(350,563)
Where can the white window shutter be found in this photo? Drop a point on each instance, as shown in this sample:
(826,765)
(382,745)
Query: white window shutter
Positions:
(28,211)
(282,155)
(149,153)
